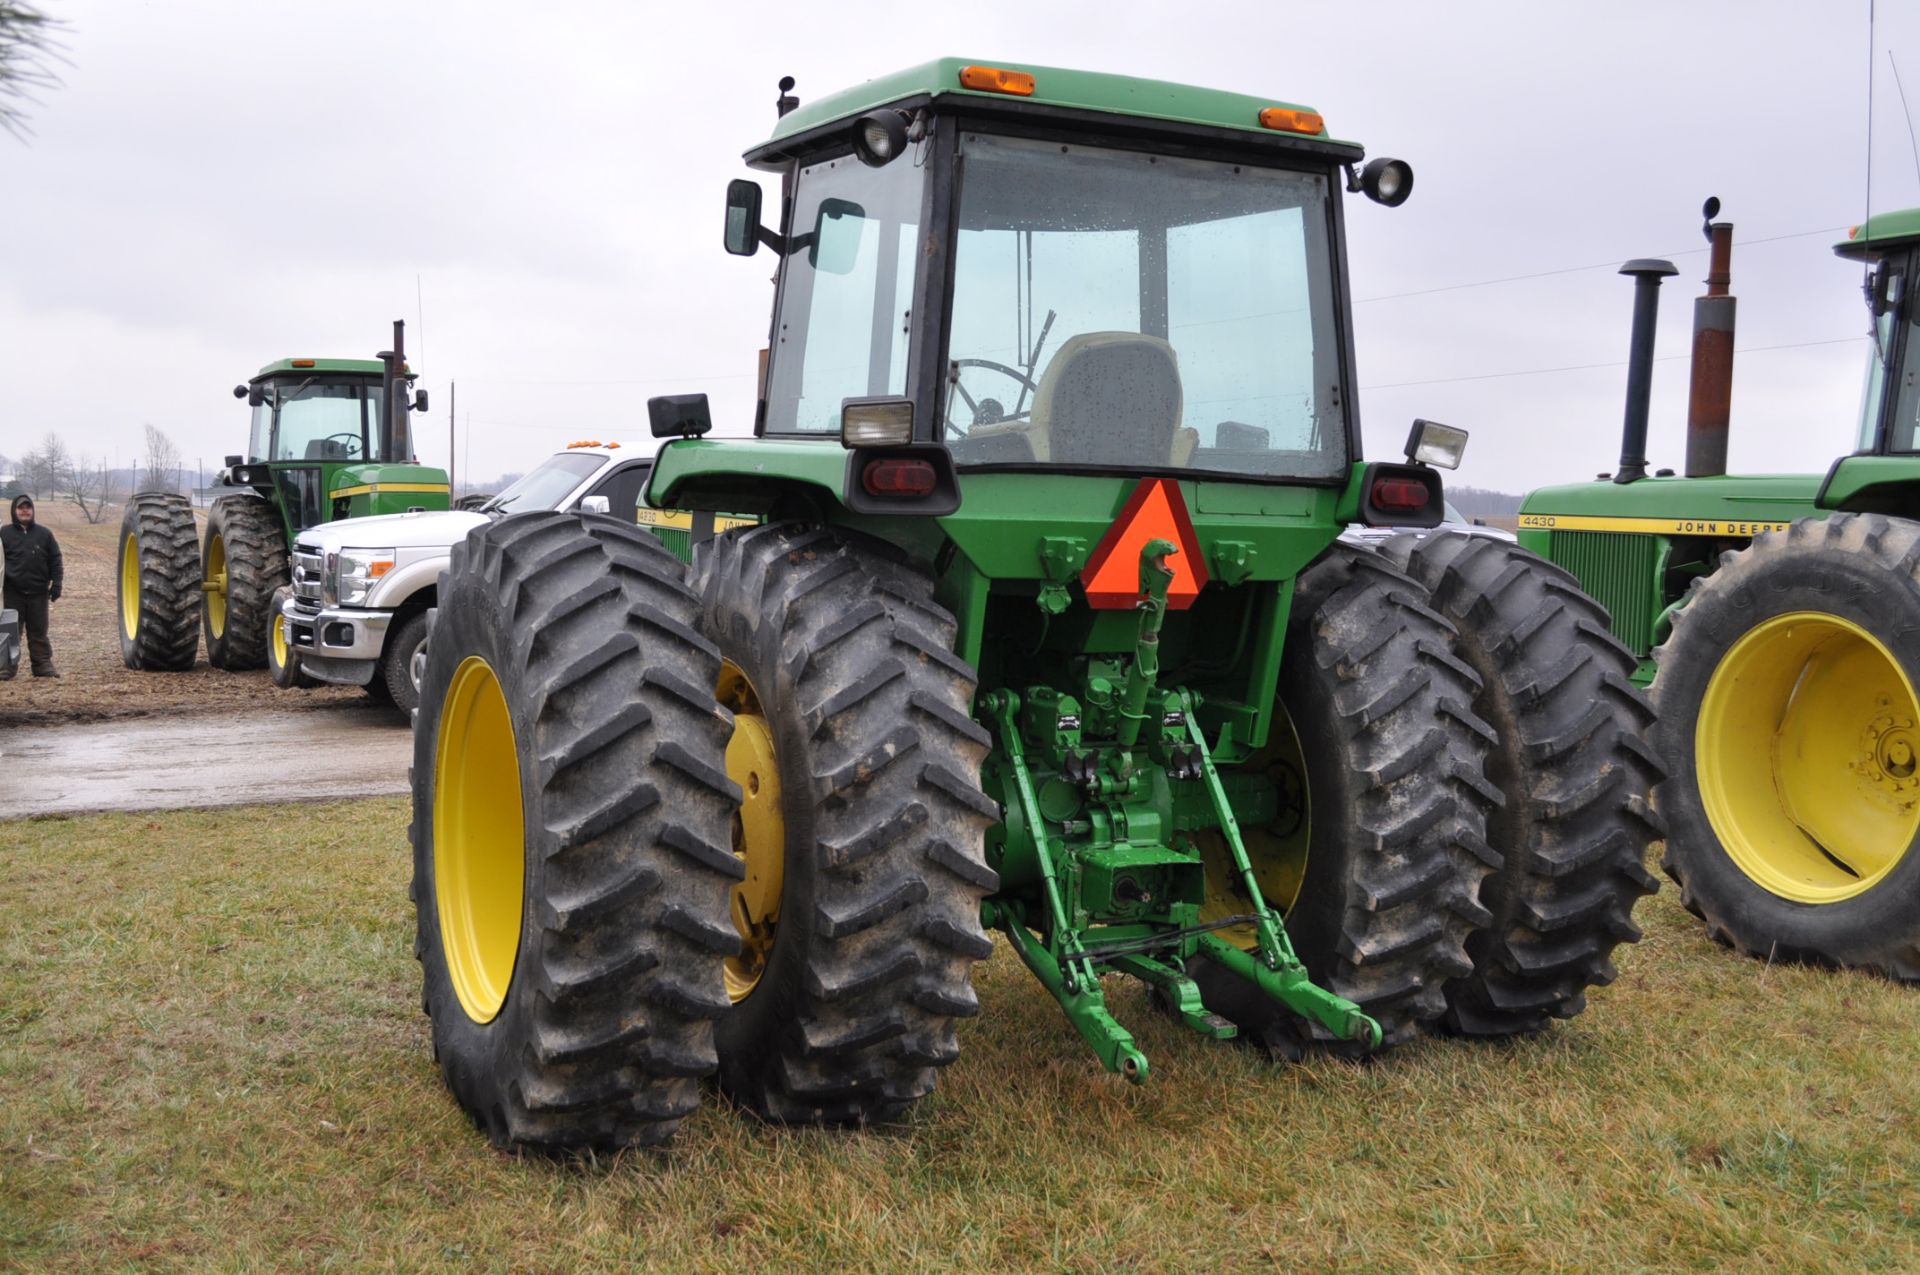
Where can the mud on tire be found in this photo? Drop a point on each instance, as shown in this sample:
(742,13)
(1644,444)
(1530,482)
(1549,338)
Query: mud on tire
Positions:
(879,761)
(606,1024)
(160,623)
(1571,759)
(252,543)
(1397,801)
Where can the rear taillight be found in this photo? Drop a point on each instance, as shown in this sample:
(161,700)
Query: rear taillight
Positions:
(898,478)
(1399,495)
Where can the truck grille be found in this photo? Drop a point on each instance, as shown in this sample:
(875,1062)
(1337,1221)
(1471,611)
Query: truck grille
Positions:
(1617,570)
(308,567)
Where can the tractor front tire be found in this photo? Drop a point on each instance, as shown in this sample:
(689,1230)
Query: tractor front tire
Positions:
(857,965)
(570,836)
(244,559)
(159,583)
(1789,719)
(283,658)
(1395,810)
(1571,759)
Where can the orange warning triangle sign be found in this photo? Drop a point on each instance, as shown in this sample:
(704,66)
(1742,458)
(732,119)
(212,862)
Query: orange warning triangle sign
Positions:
(1155,511)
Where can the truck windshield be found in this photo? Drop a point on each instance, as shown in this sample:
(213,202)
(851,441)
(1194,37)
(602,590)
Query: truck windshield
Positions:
(1117,309)
(317,418)
(549,483)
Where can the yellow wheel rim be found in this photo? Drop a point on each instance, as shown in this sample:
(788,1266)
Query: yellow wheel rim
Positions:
(759,832)
(1807,755)
(215,585)
(1277,846)
(279,631)
(130,587)
(479,839)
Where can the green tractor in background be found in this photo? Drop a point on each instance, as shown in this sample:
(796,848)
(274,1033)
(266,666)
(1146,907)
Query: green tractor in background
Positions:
(1778,621)
(1046,628)
(329,440)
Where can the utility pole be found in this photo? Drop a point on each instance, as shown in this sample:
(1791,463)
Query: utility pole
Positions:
(453,414)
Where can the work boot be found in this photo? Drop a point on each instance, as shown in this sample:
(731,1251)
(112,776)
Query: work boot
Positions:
(45,672)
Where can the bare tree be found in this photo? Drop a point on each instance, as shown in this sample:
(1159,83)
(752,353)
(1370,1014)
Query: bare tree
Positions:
(163,462)
(42,468)
(28,47)
(88,486)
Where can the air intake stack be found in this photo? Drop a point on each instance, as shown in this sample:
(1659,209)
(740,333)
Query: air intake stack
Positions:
(1647,273)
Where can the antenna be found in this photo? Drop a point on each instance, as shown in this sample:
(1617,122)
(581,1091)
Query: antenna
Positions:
(419,320)
(1906,111)
(1866,215)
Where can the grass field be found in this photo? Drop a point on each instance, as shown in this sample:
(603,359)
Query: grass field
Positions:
(212,1056)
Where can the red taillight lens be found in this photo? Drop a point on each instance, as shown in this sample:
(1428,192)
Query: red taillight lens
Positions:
(1399,495)
(898,478)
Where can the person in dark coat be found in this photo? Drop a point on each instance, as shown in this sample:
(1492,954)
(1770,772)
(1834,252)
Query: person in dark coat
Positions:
(34,576)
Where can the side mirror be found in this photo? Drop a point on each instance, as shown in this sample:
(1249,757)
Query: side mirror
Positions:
(420,400)
(743,217)
(1883,289)
(256,395)
(679,415)
(834,246)
(595,505)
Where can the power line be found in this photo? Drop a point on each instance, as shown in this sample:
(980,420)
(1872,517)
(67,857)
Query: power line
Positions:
(1598,265)
(1588,367)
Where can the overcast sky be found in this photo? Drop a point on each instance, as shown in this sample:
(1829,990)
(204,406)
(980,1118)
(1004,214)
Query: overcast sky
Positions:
(537,191)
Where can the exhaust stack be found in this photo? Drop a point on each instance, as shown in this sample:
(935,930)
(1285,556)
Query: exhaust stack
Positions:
(1647,273)
(1710,398)
(395,397)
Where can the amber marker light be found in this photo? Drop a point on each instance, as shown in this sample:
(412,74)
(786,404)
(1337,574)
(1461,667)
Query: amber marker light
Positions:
(992,79)
(1286,119)
(303,362)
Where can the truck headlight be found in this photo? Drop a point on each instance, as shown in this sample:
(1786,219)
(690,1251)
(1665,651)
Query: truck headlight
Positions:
(353,573)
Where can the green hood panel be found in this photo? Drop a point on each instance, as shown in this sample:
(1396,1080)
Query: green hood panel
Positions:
(1672,506)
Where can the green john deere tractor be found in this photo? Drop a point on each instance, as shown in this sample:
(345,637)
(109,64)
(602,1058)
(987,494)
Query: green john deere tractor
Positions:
(1778,621)
(1046,627)
(329,441)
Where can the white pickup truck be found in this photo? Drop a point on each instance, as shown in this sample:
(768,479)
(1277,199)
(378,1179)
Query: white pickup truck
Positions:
(356,614)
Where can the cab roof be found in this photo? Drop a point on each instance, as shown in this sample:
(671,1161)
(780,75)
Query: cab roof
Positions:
(1882,230)
(286,367)
(1052,86)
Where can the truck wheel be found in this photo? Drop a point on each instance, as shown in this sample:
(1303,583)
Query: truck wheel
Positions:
(1570,758)
(570,836)
(1379,848)
(861,830)
(283,659)
(244,560)
(159,583)
(1789,718)
(403,663)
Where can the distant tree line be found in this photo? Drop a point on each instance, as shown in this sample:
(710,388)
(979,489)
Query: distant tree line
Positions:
(51,472)
(1482,502)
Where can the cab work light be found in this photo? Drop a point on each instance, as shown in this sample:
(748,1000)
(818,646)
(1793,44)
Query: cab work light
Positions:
(992,79)
(1431,443)
(885,421)
(1290,119)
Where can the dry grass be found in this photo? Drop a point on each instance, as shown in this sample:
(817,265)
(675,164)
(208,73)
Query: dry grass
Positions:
(211,1055)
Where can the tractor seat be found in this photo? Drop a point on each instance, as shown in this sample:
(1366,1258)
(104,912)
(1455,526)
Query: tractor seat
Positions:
(1111,398)
(326,449)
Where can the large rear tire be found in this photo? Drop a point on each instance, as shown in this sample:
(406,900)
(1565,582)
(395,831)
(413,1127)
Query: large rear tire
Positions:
(244,559)
(159,583)
(1789,718)
(1571,760)
(1390,814)
(570,834)
(860,912)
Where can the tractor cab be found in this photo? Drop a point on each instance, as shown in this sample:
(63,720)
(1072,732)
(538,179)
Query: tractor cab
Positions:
(1888,246)
(1043,270)
(324,444)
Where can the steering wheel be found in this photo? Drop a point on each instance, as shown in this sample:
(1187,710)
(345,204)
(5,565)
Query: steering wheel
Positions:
(352,443)
(992,418)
